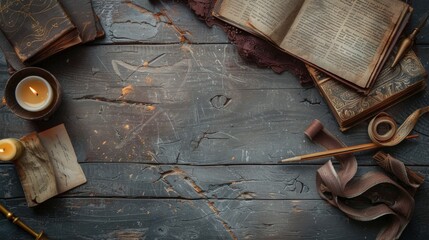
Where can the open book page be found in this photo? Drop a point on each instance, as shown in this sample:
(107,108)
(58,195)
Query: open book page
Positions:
(68,173)
(346,38)
(35,171)
(274,18)
(48,166)
(235,12)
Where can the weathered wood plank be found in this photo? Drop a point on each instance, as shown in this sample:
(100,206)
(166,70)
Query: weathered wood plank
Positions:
(187,101)
(191,104)
(96,218)
(142,21)
(193,182)
(118,219)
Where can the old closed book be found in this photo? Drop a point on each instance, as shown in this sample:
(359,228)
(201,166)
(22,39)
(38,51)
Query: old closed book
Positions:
(392,86)
(82,15)
(37,29)
(350,40)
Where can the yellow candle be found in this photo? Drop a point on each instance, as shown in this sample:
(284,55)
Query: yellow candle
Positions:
(34,93)
(10,149)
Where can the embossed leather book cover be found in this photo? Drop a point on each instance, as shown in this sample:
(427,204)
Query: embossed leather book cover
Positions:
(37,28)
(392,86)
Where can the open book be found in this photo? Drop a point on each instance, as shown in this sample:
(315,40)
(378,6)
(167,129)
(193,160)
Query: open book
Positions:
(48,166)
(348,39)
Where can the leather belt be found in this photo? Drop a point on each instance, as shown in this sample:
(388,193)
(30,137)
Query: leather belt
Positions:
(375,194)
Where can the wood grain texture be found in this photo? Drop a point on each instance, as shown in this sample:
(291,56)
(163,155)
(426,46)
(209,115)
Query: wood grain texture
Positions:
(179,138)
(246,182)
(143,21)
(113,218)
(193,104)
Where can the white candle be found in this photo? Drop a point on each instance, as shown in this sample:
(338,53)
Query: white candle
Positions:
(34,93)
(10,149)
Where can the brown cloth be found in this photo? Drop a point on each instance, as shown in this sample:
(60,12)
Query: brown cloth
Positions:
(370,196)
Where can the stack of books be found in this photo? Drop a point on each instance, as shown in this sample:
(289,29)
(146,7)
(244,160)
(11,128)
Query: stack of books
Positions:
(34,30)
(347,46)
(392,86)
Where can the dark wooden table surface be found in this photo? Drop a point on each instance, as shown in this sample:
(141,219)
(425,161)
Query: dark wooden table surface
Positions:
(181,140)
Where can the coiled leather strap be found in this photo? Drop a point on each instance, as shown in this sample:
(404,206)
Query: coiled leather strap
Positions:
(394,135)
(370,196)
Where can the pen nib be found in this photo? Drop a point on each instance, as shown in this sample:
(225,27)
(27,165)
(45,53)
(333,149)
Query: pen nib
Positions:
(292,159)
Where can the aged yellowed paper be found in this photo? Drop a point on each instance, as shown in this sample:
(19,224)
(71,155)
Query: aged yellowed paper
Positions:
(48,166)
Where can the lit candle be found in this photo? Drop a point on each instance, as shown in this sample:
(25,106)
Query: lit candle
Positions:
(34,93)
(10,149)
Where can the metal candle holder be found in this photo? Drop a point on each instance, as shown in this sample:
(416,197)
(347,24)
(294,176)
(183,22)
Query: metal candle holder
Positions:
(14,219)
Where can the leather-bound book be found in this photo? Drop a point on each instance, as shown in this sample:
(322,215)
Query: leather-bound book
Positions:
(99,27)
(37,29)
(393,85)
(82,15)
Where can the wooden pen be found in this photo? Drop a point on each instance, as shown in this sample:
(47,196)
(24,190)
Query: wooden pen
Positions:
(338,151)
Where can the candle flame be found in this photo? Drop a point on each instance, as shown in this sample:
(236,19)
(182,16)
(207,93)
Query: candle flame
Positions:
(1,149)
(34,91)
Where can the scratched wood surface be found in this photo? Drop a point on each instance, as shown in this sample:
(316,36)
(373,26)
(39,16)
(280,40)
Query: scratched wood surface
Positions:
(179,138)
